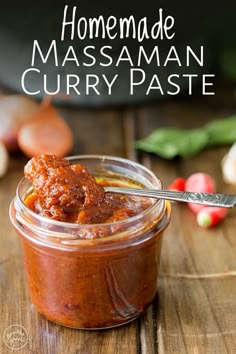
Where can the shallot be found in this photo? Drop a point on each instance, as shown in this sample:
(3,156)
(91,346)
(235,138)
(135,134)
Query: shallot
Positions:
(47,133)
(14,111)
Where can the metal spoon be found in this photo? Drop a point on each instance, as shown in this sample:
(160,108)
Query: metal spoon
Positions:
(211,199)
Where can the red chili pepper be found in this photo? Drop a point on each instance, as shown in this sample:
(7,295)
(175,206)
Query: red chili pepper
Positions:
(210,216)
(199,182)
(178,184)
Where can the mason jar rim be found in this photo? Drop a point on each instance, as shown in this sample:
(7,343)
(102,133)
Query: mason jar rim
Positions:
(102,158)
(157,207)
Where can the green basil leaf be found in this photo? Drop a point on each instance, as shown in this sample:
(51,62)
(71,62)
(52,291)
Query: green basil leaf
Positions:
(221,131)
(171,142)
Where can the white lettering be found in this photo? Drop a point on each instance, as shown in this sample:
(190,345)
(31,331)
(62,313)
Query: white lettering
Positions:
(72,85)
(73,58)
(153,87)
(122,57)
(71,23)
(174,58)
(92,85)
(45,82)
(125,23)
(204,84)
(23,82)
(89,55)
(190,51)
(142,52)
(109,84)
(53,47)
(102,51)
(136,83)
(190,76)
(173,84)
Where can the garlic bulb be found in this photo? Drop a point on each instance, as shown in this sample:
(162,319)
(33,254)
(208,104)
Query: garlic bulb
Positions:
(229,166)
(3,159)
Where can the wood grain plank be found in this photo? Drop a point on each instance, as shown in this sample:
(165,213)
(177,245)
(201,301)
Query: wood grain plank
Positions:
(129,122)
(196,315)
(96,131)
(146,325)
(196,305)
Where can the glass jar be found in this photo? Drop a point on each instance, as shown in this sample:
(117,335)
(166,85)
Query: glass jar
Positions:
(80,281)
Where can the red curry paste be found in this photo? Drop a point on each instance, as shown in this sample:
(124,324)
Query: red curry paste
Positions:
(69,193)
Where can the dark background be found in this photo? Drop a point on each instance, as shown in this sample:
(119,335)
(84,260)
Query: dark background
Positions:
(208,23)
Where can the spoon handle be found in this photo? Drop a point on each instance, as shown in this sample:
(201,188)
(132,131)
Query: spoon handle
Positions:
(211,199)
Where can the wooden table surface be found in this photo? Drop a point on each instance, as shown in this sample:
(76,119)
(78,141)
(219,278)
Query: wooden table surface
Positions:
(195,308)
